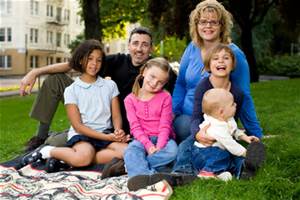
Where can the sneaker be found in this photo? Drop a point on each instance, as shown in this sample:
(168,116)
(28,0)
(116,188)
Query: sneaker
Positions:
(225,176)
(255,155)
(34,143)
(114,168)
(54,165)
(206,175)
(174,179)
(31,157)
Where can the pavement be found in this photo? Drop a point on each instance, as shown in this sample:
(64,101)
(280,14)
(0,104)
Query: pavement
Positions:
(9,85)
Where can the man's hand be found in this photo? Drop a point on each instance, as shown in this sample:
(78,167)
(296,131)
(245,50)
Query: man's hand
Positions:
(27,83)
(203,138)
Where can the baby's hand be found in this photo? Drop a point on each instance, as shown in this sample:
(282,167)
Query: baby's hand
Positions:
(250,139)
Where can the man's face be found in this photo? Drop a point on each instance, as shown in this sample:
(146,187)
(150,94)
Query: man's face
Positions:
(139,48)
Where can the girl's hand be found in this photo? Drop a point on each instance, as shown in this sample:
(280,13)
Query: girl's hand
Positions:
(152,150)
(203,138)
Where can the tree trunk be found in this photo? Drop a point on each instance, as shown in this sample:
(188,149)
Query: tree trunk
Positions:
(91,17)
(247,47)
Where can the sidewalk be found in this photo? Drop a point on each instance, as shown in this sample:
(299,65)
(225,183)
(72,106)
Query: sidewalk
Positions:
(9,86)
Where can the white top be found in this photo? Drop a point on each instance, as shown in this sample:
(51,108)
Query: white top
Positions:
(223,131)
(93,101)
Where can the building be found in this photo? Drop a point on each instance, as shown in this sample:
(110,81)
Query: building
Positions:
(35,33)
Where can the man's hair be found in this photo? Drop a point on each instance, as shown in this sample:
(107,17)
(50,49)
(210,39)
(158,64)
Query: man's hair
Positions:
(79,57)
(141,30)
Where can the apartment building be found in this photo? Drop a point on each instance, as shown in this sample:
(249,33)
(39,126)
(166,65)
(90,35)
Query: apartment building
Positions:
(34,33)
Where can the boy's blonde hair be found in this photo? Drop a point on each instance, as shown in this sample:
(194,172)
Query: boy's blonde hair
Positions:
(224,17)
(213,100)
(160,62)
(215,50)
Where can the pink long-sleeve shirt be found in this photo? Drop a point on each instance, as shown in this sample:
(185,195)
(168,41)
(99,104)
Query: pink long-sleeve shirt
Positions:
(150,118)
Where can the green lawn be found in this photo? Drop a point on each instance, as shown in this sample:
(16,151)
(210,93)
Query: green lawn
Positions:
(278,108)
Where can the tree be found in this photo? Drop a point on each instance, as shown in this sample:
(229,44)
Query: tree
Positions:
(91,18)
(248,14)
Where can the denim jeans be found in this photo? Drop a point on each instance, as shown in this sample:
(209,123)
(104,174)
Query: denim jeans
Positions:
(181,125)
(183,162)
(137,160)
(216,160)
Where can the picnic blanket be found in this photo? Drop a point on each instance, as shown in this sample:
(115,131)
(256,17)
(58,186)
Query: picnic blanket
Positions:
(32,183)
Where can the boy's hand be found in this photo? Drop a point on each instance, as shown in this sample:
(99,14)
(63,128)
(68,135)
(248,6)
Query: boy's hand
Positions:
(203,138)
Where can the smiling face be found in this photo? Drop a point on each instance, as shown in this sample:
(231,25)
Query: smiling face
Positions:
(140,48)
(93,63)
(154,79)
(208,26)
(221,63)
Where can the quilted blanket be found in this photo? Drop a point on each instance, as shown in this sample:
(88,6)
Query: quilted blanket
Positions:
(31,183)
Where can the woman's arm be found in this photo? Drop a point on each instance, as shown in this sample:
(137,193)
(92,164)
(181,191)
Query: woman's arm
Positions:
(240,77)
(180,85)
(29,79)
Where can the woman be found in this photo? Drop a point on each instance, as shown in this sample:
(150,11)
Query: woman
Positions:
(210,24)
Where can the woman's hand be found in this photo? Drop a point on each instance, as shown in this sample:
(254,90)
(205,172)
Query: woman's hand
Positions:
(249,139)
(203,138)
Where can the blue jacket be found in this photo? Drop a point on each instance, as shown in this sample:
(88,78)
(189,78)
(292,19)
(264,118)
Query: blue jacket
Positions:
(191,72)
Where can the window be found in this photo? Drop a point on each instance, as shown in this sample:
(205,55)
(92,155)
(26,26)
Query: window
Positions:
(66,39)
(58,60)
(49,10)
(5,7)
(8,34)
(49,37)
(34,7)
(34,35)
(58,39)
(2,34)
(58,14)
(34,60)
(5,35)
(67,15)
(5,62)
(49,60)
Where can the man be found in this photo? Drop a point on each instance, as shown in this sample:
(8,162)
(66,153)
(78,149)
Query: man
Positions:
(122,68)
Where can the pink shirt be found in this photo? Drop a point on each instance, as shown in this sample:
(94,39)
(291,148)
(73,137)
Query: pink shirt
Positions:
(150,118)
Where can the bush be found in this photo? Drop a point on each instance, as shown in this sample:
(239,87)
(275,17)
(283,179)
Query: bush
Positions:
(173,48)
(281,65)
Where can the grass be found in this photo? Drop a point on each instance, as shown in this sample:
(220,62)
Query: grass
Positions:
(278,108)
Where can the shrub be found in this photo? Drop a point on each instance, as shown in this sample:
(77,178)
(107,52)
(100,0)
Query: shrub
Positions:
(284,65)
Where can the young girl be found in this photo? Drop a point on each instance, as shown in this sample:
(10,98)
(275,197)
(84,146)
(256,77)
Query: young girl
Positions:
(149,112)
(93,109)
(220,62)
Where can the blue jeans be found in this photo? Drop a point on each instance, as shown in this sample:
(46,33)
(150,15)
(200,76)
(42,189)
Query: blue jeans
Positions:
(181,125)
(183,162)
(216,160)
(137,160)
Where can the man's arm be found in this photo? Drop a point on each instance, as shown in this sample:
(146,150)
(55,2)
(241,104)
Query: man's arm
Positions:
(29,79)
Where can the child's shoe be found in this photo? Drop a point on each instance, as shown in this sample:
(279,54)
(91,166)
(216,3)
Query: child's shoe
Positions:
(54,165)
(115,167)
(225,176)
(206,175)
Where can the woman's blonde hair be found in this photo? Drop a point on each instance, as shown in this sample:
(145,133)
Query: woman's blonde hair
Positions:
(215,50)
(160,62)
(224,17)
